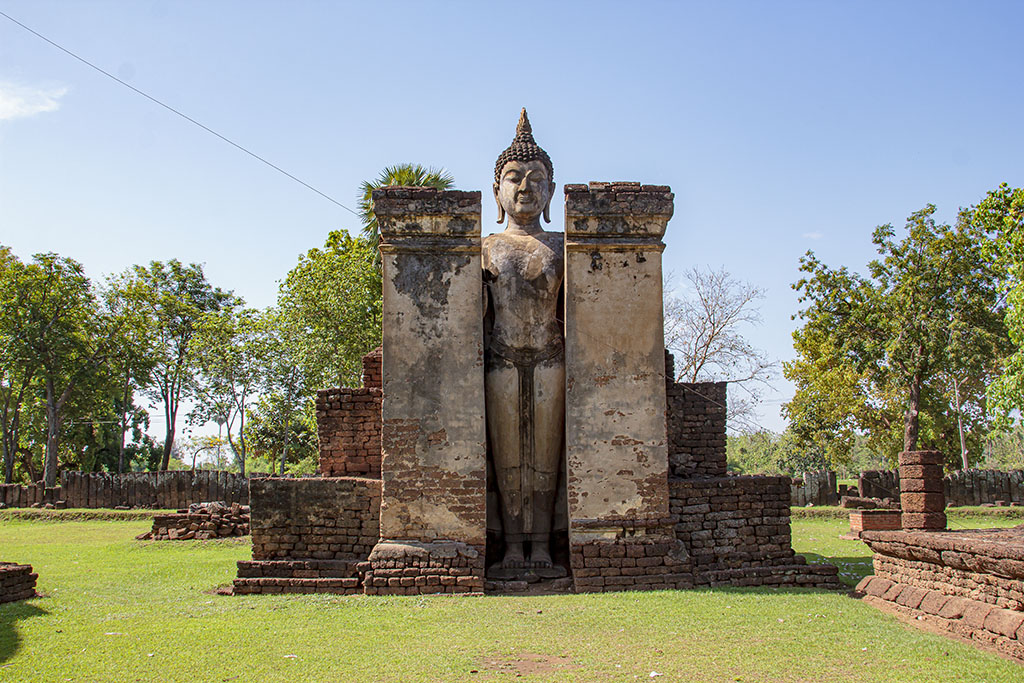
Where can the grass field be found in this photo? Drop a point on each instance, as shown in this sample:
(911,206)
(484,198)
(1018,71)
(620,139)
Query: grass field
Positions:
(115,609)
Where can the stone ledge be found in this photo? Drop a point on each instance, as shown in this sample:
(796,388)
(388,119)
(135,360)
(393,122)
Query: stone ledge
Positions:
(990,626)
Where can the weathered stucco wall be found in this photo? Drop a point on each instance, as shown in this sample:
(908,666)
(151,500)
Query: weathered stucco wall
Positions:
(433,435)
(617,456)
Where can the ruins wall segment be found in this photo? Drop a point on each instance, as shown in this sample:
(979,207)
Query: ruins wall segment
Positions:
(433,438)
(616,450)
(348,424)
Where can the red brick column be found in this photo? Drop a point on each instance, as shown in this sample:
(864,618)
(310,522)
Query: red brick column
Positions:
(921,496)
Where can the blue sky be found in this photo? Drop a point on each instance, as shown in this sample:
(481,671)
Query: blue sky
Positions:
(781,126)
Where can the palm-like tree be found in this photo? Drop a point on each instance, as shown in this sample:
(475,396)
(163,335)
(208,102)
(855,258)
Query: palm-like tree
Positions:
(408,175)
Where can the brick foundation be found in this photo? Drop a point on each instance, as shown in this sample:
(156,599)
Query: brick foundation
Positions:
(412,568)
(969,582)
(305,532)
(202,521)
(348,425)
(17,582)
(874,520)
(736,530)
(652,561)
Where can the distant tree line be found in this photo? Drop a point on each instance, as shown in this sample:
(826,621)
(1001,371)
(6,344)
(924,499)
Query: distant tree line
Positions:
(85,366)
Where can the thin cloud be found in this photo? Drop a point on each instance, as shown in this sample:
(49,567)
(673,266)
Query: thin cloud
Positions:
(812,235)
(18,101)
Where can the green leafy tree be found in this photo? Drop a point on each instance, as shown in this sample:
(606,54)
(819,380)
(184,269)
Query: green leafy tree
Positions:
(230,351)
(904,354)
(174,297)
(61,331)
(1002,214)
(330,311)
(17,369)
(280,436)
(135,353)
(407,175)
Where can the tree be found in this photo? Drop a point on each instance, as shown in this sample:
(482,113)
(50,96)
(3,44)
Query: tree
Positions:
(230,350)
(330,310)
(135,353)
(704,331)
(16,371)
(409,175)
(175,297)
(57,331)
(1001,213)
(904,354)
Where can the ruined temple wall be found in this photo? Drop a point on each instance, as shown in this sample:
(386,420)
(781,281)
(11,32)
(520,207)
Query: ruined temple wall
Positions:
(348,425)
(323,519)
(969,582)
(737,532)
(695,416)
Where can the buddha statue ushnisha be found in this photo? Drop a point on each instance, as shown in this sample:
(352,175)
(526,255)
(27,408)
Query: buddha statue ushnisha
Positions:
(524,381)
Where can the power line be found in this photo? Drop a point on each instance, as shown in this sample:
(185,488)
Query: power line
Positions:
(179,113)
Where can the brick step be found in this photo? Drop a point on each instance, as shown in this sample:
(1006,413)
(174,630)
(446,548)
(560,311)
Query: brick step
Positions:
(299,569)
(264,585)
(988,624)
(794,574)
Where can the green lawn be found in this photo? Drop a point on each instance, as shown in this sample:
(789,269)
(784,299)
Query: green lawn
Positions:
(115,609)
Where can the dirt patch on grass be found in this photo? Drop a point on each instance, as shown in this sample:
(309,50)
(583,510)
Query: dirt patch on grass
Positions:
(525,664)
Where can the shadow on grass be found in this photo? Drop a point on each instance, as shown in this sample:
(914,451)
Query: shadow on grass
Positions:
(10,614)
(851,569)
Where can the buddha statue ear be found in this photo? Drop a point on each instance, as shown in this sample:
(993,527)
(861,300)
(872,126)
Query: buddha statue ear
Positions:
(547,206)
(501,209)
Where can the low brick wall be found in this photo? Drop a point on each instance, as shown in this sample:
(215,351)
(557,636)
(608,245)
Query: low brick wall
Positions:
(630,563)
(349,424)
(963,487)
(413,568)
(17,582)
(969,582)
(736,531)
(874,520)
(695,415)
(308,534)
(202,521)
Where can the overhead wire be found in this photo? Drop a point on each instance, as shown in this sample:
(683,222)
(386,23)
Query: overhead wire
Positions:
(177,112)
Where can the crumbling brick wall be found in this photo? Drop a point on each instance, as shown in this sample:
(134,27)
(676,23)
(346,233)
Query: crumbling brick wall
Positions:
(969,582)
(17,582)
(737,532)
(311,535)
(695,416)
(323,519)
(349,423)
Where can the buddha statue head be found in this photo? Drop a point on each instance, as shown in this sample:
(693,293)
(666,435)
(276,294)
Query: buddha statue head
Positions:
(524,179)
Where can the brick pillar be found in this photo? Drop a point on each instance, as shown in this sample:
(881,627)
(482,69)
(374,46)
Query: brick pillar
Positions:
(616,447)
(433,438)
(921,495)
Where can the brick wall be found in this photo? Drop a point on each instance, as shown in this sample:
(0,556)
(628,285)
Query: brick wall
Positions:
(737,532)
(695,416)
(310,535)
(968,582)
(17,582)
(323,519)
(348,425)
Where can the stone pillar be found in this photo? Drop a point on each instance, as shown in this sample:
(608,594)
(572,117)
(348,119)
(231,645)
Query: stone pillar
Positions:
(616,443)
(433,438)
(922,499)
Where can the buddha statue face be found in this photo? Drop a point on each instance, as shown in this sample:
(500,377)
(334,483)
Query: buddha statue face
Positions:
(524,191)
